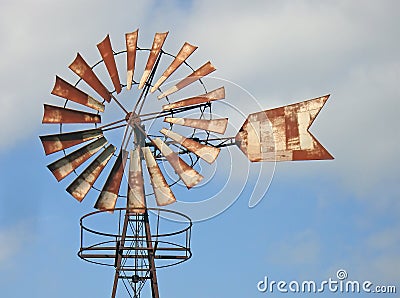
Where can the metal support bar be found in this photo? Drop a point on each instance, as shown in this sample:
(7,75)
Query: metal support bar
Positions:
(118,256)
(150,254)
(112,256)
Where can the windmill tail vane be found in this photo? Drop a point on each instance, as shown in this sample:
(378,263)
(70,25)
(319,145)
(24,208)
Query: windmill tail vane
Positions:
(138,247)
(282,134)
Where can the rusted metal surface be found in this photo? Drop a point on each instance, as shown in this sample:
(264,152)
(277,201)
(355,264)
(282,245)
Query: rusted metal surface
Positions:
(162,192)
(83,70)
(109,194)
(186,50)
(136,200)
(158,42)
(214,125)
(207,153)
(131,46)
(54,114)
(58,142)
(204,70)
(282,134)
(107,54)
(82,184)
(66,90)
(188,175)
(64,166)
(204,98)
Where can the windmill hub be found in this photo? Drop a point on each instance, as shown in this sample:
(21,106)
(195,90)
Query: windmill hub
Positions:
(133,119)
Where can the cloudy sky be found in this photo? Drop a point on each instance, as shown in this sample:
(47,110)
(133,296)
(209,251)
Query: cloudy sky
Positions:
(315,218)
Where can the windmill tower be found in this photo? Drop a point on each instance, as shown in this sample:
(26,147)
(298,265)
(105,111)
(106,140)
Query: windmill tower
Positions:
(136,247)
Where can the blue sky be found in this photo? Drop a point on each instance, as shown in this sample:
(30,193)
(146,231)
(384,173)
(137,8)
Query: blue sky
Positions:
(316,217)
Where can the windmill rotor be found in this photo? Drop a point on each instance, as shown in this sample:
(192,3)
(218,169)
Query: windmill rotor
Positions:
(152,124)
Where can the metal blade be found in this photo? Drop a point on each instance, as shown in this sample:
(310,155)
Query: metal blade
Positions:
(83,70)
(66,90)
(162,192)
(207,153)
(82,184)
(204,98)
(158,42)
(136,200)
(282,134)
(131,46)
(215,125)
(54,114)
(188,175)
(109,194)
(107,54)
(58,142)
(196,75)
(186,50)
(64,166)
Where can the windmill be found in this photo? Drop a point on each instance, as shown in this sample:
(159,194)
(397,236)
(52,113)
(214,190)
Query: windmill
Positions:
(137,247)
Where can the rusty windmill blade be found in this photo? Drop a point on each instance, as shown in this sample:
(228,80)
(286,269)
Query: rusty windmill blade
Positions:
(54,114)
(82,184)
(136,200)
(188,175)
(282,134)
(194,76)
(66,90)
(204,98)
(205,152)
(184,53)
(107,54)
(58,142)
(109,194)
(214,125)
(159,39)
(131,47)
(63,167)
(85,72)
(162,192)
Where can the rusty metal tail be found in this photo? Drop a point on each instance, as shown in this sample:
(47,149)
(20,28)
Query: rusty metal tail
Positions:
(282,134)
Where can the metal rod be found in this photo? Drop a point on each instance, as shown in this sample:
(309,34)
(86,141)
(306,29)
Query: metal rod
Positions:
(112,123)
(151,257)
(119,256)
(119,104)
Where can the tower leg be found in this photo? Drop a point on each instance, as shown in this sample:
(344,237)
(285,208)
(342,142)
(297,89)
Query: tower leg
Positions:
(150,255)
(118,255)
